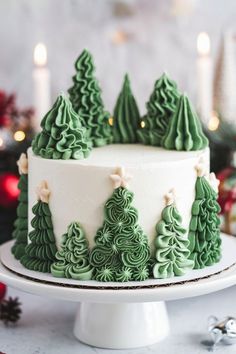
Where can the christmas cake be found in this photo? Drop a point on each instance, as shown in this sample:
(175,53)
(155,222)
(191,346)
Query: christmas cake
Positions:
(121,197)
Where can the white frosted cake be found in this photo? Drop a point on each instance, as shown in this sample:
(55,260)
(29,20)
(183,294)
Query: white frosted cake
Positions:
(117,198)
(80,188)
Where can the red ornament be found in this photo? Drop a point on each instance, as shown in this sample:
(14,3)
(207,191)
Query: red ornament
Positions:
(9,191)
(3,290)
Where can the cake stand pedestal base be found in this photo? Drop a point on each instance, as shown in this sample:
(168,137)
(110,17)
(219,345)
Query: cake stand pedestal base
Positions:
(121,325)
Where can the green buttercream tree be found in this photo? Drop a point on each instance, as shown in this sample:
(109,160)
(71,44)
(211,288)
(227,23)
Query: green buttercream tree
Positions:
(20,233)
(184,131)
(73,258)
(121,252)
(62,135)
(172,253)
(85,95)
(204,229)
(40,252)
(160,107)
(126,118)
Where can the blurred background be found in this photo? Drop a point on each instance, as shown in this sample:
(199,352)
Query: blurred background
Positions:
(192,40)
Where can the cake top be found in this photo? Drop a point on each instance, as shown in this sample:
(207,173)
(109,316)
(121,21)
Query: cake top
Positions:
(79,123)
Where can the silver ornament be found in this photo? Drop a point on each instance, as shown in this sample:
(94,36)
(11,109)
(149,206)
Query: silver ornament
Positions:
(222,330)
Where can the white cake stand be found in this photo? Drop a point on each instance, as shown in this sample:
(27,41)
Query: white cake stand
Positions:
(125,316)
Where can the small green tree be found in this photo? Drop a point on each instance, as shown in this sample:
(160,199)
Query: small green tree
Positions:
(40,253)
(160,107)
(62,135)
(20,233)
(85,95)
(172,254)
(121,252)
(184,131)
(73,258)
(126,118)
(204,229)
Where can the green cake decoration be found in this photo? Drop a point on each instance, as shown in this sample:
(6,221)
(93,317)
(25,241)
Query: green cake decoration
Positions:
(172,253)
(73,258)
(62,136)
(204,228)
(85,95)
(121,252)
(160,107)
(126,118)
(184,131)
(40,252)
(20,233)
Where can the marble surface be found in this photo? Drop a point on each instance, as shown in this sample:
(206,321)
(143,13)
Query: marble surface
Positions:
(46,327)
(161,35)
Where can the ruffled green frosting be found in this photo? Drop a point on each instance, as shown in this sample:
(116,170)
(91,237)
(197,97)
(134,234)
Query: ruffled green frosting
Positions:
(172,254)
(85,95)
(40,253)
(204,228)
(184,131)
(122,252)
(73,258)
(20,232)
(126,118)
(62,136)
(160,107)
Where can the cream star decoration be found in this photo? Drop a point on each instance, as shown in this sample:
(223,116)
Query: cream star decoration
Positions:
(22,164)
(214,182)
(170,197)
(200,167)
(120,178)
(43,192)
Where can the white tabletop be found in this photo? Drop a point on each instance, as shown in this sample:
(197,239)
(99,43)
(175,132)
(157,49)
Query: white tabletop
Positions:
(46,326)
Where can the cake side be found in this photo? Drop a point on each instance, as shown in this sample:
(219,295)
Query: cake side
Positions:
(79,189)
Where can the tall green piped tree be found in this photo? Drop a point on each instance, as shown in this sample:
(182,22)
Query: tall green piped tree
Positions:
(85,95)
(126,117)
(184,131)
(73,258)
(121,252)
(62,136)
(20,233)
(204,228)
(40,253)
(172,253)
(160,107)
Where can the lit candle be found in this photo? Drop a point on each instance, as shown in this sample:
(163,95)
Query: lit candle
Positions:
(204,78)
(41,79)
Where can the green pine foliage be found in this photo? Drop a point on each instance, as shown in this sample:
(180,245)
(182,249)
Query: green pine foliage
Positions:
(160,107)
(126,118)
(73,258)
(40,252)
(62,136)
(20,233)
(85,95)
(121,252)
(204,228)
(172,253)
(184,131)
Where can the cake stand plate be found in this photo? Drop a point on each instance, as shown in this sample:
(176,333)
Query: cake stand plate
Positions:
(127,316)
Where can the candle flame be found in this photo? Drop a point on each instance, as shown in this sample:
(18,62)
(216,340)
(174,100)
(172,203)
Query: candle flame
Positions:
(40,54)
(203,43)
(214,122)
